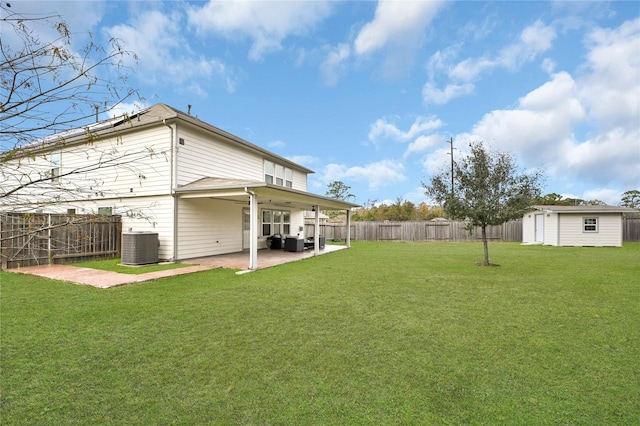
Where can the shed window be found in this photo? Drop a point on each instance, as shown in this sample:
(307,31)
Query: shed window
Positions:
(590,224)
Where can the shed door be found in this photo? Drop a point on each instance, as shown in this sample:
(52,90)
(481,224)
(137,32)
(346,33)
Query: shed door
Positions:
(539,228)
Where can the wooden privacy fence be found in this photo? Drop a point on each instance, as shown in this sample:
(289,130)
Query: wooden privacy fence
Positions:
(38,239)
(416,231)
(631,229)
(440,230)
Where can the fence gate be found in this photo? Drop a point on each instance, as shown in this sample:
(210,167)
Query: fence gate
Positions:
(39,239)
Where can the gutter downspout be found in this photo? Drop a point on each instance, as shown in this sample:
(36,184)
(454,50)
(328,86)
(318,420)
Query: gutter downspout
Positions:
(253,229)
(173,185)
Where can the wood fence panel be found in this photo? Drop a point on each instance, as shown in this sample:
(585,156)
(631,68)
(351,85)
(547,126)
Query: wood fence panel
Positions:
(417,231)
(40,239)
(631,229)
(440,231)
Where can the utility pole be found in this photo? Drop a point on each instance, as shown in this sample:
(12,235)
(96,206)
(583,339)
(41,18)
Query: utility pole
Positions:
(451,153)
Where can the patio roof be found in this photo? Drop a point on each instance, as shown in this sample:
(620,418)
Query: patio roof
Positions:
(238,190)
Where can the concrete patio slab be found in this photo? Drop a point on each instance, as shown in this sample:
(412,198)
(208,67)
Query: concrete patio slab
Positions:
(106,279)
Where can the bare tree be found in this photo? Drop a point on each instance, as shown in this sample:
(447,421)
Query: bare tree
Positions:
(51,97)
(47,86)
(489,190)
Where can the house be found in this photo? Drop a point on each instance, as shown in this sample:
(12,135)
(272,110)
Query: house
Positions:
(574,225)
(202,190)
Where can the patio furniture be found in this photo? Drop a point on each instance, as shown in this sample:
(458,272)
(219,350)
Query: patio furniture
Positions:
(293,244)
(310,243)
(275,242)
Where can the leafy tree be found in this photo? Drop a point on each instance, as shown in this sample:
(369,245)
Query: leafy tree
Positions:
(489,190)
(631,199)
(339,190)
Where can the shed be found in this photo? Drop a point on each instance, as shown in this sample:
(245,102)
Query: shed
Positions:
(552,225)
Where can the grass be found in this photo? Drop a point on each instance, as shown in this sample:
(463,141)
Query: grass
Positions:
(383,333)
(115,265)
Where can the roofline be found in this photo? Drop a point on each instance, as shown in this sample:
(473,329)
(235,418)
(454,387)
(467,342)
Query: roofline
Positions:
(106,127)
(257,185)
(584,209)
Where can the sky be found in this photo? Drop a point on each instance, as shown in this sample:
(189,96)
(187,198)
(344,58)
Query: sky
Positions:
(370,93)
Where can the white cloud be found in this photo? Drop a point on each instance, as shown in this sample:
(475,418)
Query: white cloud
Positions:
(266,23)
(423,143)
(603,101)
(304,160)
(377,174)
(541,125)
(534,40)
(611,83)
(609,196)
(276,144)
(334,63)
(164,53)
(127,108)
(470,69)
(382,129)
(432,95)
(396,23)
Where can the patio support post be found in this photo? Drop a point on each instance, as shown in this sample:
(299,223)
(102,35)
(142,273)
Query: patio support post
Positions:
(348,237)
(253,230)
(316,233)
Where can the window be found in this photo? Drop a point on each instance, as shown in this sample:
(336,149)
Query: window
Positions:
(278,174)
(71,211)
(105,211)
(276,222)
(55,168)
(269,171)
(590,224)
(288,178)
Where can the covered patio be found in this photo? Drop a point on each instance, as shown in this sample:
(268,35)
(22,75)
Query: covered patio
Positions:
(255,193)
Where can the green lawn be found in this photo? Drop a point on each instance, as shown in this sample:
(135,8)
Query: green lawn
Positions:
(381,334)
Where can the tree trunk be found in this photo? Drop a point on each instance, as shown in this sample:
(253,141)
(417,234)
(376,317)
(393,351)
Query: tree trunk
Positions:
(486,245)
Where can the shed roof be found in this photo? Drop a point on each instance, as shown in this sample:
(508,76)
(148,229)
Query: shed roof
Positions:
(584,209)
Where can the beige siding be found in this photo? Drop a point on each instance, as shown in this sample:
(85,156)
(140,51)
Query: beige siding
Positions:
(131,165)
(299,180)
(207,155)
(208,227)
(203,155)
(551,229)
(529,228)
(609,230)
(153,214)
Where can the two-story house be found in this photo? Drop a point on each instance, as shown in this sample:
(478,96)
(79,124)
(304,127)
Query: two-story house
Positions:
(203,190)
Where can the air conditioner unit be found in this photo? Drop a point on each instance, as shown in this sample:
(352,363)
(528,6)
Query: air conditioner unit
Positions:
(139,248)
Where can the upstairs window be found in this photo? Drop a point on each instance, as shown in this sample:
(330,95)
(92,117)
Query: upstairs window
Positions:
(55,168)
(278,174)
(269,171)
(590,224)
